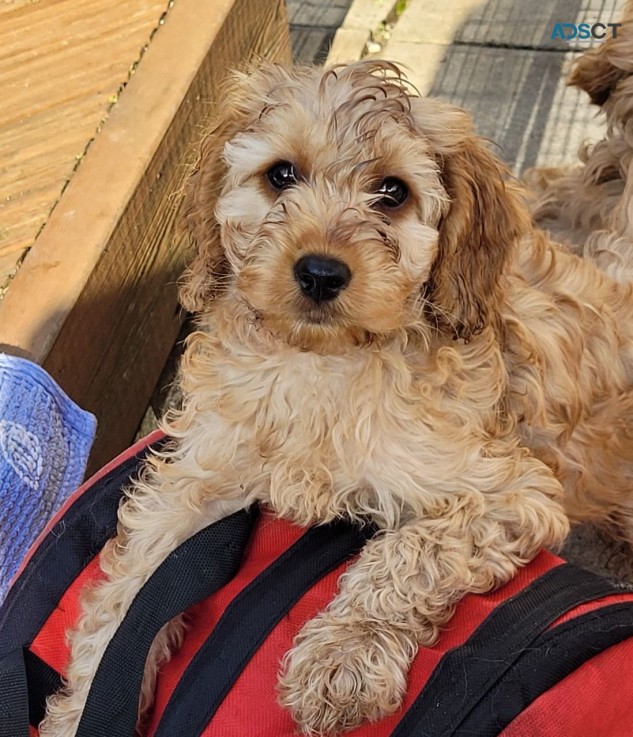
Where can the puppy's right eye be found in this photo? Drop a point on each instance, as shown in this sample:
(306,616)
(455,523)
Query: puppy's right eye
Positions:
(282,175)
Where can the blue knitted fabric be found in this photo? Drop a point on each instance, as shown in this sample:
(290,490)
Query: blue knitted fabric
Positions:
(45,439)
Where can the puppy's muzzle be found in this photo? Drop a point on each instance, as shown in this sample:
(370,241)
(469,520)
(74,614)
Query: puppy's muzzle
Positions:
(321,278)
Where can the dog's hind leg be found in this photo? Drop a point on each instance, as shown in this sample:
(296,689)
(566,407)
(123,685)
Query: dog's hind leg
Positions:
(350,663)
(162,511)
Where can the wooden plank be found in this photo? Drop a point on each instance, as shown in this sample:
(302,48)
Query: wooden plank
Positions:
(519,100)
(504,23)
(362,20)
(530,25)
(61,63)
(317,13)
(465,51)
(311,45)
(95,300)
(348,45)
(313,24)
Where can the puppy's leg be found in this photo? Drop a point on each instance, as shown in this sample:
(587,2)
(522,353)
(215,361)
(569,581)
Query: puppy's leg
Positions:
(350,663)
(158,515)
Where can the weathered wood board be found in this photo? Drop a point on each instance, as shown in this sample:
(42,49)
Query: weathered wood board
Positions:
(95,300)
(62,63)
(313,24)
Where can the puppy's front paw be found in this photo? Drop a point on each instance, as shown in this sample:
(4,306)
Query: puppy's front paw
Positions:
(340,674)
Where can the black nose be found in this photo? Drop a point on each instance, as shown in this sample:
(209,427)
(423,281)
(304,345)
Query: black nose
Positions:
(321,278)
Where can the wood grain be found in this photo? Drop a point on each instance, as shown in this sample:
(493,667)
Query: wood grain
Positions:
(95,300)
(61,64)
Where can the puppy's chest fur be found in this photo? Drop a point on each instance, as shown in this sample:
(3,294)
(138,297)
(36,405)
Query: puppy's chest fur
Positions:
(379,433)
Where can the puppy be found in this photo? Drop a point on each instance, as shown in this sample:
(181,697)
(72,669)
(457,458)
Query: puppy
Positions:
(383,336)
(589,206)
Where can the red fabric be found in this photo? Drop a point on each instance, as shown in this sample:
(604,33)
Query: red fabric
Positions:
(595,701)
(50,643)
(269,540)
(253,696)
(252,700)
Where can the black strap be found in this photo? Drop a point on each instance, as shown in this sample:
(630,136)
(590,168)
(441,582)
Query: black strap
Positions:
(197,568)
(68,548)
(23,671)
(14,701)
(249,619)
(42,681)
(467,673)
(549,659)
(71,544)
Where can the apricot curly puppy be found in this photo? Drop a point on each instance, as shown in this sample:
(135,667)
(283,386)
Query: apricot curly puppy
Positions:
(588,206)
(383,336)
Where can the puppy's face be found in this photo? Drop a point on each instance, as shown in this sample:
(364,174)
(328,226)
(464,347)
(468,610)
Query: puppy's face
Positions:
(329,210)
(331,194)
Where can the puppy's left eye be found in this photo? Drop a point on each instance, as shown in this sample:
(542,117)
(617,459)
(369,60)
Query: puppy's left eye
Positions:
(393,192)
(282,175)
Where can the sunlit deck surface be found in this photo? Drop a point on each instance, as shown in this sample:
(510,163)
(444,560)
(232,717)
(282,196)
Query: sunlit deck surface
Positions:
(62,63)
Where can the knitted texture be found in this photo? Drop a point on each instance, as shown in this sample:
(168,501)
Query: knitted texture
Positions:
(45,440)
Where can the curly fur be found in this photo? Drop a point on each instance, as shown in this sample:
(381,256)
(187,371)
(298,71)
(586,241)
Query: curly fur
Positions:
(468,392)
(588,206)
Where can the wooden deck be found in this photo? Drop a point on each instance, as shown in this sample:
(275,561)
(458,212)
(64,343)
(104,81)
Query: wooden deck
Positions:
(313,24)
(62,64)
(94,172)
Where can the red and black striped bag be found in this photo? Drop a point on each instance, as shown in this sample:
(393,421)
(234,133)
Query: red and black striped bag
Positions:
(548,655)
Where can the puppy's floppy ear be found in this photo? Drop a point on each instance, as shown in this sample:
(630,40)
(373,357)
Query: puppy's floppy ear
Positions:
(595,73)
(598,70)
(201,280)
(484,220)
